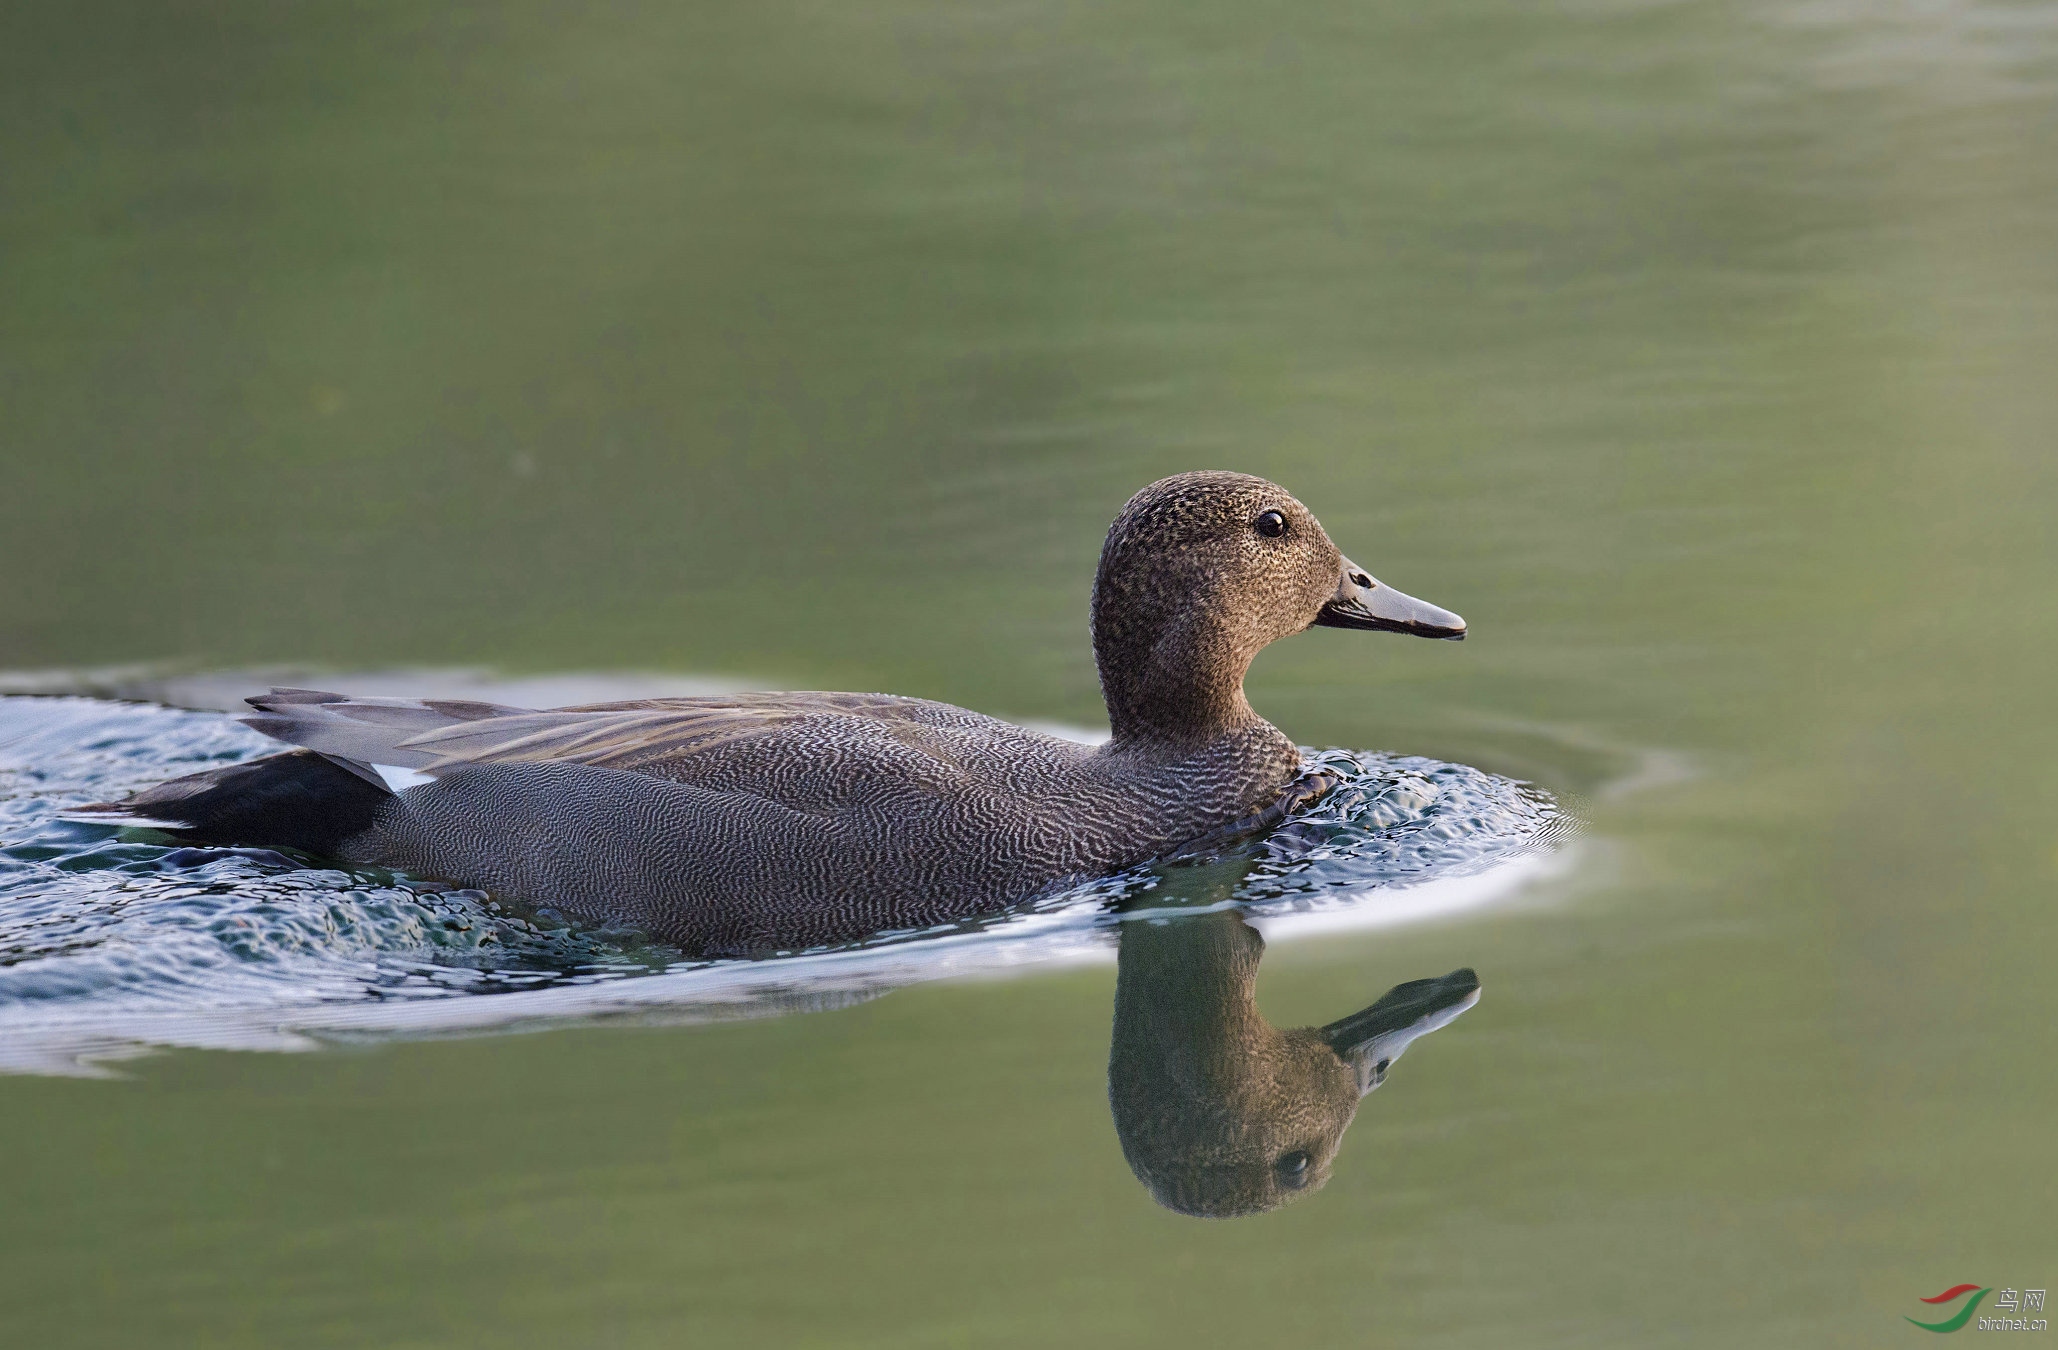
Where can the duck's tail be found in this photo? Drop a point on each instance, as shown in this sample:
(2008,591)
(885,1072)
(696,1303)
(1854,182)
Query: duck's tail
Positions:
(302,800)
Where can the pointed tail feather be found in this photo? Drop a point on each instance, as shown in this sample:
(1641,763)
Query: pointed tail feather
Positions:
(367,730)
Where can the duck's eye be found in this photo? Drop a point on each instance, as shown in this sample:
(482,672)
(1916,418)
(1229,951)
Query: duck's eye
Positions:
(1271,524)
(1292,1168)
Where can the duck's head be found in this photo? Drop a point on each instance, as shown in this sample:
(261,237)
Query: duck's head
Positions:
(1221,1114)
(1199,573)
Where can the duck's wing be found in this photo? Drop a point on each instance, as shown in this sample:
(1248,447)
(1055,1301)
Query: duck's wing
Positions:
(650,736)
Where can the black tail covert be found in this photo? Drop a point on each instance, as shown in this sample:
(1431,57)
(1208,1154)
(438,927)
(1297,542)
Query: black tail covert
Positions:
(299,800)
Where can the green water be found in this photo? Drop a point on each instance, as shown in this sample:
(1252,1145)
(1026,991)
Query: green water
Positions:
(1699,355)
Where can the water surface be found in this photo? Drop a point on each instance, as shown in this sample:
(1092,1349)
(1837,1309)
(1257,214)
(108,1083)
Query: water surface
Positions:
(1698,355)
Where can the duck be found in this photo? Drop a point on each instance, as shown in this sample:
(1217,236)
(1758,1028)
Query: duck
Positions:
(1219,1113)
(755,824)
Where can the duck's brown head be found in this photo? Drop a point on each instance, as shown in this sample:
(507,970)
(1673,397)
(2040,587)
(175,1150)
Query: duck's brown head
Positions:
(1199,573)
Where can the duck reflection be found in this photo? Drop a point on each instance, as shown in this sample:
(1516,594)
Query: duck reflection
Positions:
(1219,1112)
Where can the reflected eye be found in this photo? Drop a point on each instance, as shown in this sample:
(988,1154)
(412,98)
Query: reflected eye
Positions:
(1292,1168)
(1271,524)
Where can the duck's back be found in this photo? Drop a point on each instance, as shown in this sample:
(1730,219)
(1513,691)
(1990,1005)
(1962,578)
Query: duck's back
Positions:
(765,821)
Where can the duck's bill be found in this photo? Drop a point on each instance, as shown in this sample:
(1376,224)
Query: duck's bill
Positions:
(1370,1041)
(1363,602)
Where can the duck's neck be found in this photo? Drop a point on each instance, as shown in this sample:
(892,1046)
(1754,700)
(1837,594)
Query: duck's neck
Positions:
(1176,687)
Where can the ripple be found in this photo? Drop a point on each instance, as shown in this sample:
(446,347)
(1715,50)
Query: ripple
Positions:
(112,945)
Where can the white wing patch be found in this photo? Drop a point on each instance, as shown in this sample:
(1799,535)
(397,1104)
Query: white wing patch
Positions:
(397,778)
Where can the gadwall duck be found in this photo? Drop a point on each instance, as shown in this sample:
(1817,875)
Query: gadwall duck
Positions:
(769,822)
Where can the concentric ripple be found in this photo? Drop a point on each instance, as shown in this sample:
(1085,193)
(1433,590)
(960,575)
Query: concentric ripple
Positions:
(111,945)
